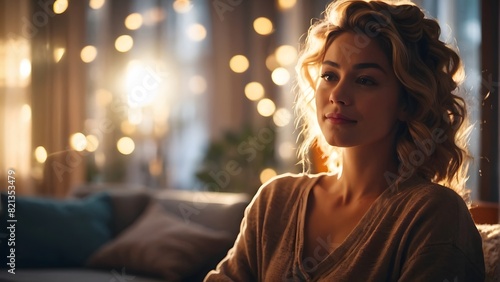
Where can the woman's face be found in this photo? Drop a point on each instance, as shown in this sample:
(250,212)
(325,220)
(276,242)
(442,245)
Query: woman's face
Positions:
(357,96)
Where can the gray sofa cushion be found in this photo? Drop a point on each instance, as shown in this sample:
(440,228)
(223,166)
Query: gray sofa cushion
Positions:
(219,211)
(161,244)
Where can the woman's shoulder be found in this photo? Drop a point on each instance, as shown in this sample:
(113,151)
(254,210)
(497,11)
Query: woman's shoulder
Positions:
(430,198)
(418,188)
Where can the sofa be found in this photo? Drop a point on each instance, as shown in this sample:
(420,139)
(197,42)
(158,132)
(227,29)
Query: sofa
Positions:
(112,233)
(115,233)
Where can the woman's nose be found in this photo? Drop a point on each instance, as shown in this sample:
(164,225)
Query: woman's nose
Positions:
(339,94)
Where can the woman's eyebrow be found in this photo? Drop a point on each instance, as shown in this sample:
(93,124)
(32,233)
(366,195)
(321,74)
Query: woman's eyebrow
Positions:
(357,66)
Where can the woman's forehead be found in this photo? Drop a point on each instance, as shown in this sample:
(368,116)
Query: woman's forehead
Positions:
(352,48)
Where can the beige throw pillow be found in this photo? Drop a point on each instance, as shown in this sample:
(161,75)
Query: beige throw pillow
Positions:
(162,244)
(491,249)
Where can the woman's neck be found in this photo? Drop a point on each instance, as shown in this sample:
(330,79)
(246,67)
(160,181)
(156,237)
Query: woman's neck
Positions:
(364,172)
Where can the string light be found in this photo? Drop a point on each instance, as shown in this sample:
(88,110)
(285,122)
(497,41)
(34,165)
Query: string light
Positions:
(125,145)
(60,6)
(92,143)
(263,26)
(266,107)
(78,141)
(280,76)
(133,21)
(239,63)
(254,91)
(58,54)
(196,32)
(182,6)
(88,54)
(286,55)
(124,43)
(266,174)
(40,154)
(286,4)
(96,4)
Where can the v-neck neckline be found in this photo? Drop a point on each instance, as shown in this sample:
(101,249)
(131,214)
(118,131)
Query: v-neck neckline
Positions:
(351,239)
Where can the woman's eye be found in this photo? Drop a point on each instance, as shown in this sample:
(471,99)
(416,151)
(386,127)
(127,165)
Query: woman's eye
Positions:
(328,77)
(366,81)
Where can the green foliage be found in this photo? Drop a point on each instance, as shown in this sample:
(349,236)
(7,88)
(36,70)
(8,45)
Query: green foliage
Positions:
(234,163)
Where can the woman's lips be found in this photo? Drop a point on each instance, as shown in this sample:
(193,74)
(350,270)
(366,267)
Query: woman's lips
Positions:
(339,119)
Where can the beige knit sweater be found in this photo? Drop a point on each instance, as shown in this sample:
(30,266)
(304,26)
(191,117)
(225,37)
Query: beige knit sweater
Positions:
(419,232)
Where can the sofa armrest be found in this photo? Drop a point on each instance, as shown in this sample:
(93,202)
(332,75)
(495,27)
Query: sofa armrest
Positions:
(485,212)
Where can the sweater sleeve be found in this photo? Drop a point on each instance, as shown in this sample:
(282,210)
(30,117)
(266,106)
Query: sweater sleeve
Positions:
(443,242)
(241,262)
(441,263)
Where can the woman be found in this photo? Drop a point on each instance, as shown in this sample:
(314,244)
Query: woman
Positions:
(377,95)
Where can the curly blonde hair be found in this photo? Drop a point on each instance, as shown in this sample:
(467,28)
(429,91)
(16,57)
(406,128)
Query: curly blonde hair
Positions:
(432,140)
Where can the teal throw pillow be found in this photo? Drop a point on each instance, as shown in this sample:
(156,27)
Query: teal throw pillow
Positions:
(54,233)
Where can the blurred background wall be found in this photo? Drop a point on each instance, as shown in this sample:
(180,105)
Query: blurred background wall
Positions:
(169,94)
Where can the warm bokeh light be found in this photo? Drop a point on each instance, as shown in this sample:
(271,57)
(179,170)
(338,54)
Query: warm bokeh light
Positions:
(40,154)
(78,141)
(239,63)
(286,4)
(263,26)
(282,117)
(286,55)
(143,82)
(88,53)
(156,167)
(154,16)
(58,54)
(103,97)
(266,174)
(25,68)
(96,4)
(60,6)
(26,113)
(196,32)
(197,84)
(286,150)
(92,143)
(271,62)
(254,91)
(266,107)
(124,43)
(280,76)
(182,6)
(133,21)
(127,128)
(135,116)
(125,145)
